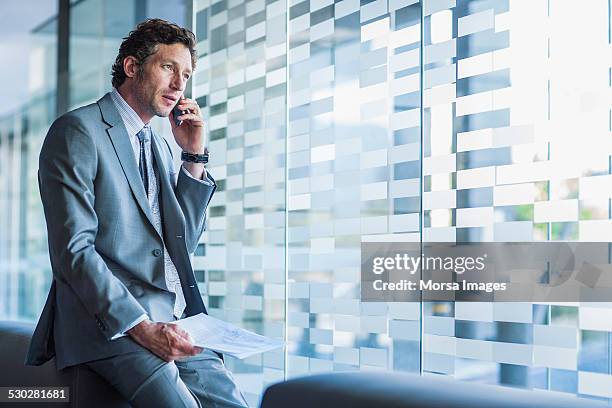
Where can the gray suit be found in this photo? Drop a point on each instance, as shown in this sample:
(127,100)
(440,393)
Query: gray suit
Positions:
(108,264)
(106,256)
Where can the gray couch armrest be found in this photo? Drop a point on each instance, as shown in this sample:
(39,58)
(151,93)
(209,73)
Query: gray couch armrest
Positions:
(395,390)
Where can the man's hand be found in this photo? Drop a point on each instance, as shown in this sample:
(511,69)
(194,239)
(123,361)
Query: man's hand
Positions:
(191,134)
(168,341)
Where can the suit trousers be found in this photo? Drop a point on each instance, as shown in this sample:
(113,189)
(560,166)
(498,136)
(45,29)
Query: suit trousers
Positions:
(145,380)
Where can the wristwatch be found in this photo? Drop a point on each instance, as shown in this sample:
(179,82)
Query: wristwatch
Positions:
(194,157)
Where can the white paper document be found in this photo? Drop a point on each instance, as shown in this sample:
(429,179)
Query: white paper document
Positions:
(225,338)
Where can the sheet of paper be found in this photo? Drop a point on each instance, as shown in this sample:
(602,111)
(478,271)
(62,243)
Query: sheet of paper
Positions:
(214,334)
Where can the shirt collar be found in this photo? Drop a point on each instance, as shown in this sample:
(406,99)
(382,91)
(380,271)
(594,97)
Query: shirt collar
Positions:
(130,118)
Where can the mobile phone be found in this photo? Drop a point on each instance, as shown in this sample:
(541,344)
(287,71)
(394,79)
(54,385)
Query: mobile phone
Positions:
(176,112)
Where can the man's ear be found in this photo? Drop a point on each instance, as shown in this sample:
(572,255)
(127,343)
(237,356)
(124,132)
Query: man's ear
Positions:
(130,66)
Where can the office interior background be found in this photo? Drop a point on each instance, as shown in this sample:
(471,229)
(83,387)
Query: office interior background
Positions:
(337,122)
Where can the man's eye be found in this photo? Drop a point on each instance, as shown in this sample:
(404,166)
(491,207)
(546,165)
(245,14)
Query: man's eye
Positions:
(167,66)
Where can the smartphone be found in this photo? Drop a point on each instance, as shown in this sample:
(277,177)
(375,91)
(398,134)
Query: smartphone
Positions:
(177,112)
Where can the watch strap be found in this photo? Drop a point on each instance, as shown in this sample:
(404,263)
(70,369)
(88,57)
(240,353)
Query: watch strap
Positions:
(194,157)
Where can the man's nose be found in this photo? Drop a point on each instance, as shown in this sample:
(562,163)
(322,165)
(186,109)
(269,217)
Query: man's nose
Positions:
(178,82)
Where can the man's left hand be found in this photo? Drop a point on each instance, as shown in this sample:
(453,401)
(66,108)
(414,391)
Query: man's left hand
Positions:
(190,135)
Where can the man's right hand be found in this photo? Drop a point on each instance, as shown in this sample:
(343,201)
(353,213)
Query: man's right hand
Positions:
(168,341)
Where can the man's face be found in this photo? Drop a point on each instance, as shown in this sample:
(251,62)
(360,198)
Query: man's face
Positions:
(162,81)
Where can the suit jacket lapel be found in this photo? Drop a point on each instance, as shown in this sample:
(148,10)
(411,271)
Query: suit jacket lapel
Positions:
(123,148)
(173,215)
(174,227)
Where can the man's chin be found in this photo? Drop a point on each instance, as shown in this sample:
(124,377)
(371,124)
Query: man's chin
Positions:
(163,113)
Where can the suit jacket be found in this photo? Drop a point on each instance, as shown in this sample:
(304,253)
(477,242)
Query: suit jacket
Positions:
(106,256)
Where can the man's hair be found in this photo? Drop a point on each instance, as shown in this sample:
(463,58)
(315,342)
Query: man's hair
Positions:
(144,40)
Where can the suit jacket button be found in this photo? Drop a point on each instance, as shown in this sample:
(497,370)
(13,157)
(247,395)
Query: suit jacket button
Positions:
(157,252)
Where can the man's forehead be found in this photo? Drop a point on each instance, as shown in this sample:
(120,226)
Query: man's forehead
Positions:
(176,53)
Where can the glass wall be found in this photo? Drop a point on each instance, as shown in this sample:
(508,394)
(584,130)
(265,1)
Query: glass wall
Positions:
(354,175)
(516,148)
(449,121)
(27,107)
(336,123)
(240,84)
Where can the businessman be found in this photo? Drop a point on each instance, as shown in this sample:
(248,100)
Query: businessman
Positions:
(121,225)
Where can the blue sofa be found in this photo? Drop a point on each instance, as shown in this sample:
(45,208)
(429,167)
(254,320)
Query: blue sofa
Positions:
(87,389)
(395,390)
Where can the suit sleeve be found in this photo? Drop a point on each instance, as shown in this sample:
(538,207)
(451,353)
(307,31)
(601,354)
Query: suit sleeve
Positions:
(67,171)
(193,197)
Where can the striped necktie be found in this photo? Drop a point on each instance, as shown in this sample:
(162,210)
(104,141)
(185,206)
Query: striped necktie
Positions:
(143,137)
